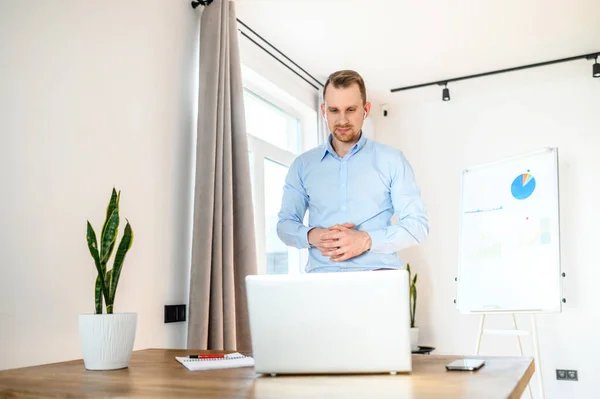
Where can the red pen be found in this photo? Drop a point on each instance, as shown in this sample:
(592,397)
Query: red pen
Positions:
(215,356)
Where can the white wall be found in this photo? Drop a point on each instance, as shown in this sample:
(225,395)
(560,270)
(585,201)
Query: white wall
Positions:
(93,94)
(488,119)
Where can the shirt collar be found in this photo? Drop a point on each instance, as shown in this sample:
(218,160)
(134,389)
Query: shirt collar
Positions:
(355,148)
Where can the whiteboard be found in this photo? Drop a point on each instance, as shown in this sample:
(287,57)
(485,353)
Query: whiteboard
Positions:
(509,257)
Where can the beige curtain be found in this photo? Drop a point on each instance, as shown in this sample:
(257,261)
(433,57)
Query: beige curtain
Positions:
(223,247)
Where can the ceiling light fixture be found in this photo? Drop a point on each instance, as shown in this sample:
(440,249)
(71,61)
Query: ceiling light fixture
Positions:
(446,92)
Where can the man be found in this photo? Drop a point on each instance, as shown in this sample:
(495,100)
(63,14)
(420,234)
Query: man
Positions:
(351,186)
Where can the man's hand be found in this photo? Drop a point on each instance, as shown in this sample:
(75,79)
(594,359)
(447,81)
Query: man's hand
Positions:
(315,236)
(343,244)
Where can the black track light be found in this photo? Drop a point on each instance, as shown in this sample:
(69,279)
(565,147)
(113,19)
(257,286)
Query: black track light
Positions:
(446,93)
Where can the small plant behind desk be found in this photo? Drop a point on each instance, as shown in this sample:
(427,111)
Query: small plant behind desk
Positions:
(414,331)
(412,281)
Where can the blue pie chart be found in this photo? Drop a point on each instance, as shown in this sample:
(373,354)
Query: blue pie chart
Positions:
(523,186)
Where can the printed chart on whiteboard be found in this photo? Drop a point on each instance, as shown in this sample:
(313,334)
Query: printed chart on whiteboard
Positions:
(509,235)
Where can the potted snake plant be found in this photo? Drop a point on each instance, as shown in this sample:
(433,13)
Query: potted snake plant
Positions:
(107,338)
(414,331)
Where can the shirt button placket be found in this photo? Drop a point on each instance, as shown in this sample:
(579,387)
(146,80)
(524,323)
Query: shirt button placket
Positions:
(343,185)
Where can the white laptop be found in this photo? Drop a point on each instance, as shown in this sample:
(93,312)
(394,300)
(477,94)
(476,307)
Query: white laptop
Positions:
(330,323)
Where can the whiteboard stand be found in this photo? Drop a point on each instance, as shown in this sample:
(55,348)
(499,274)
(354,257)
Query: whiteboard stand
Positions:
(518,333)
(510,243)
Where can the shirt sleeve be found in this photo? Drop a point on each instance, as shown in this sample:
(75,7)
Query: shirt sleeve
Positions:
(290,227)
(411,214)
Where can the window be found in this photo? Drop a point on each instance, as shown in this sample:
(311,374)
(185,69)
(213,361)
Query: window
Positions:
(278,258)
(279,129)
(271,124)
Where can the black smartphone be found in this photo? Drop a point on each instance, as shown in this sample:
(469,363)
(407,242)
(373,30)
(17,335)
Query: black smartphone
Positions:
(465,364)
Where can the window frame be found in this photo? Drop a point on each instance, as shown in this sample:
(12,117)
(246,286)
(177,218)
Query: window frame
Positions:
(260,151)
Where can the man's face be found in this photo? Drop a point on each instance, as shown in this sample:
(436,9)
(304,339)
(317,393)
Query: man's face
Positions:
(345,112)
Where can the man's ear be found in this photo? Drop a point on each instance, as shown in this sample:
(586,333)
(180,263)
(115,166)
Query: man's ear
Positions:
(323,111)
(367,108)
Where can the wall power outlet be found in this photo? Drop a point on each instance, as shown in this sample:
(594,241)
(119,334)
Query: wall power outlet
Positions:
(566,375)
(174,313)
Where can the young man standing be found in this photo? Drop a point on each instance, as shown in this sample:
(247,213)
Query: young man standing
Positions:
(351,186)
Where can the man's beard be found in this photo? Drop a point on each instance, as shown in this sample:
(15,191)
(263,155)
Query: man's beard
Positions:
(346,137)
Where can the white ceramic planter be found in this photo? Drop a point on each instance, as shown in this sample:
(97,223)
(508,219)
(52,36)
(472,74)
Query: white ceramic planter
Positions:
(107,340)
(414,339)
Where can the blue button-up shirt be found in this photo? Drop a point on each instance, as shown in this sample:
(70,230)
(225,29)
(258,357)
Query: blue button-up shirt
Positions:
(366,187)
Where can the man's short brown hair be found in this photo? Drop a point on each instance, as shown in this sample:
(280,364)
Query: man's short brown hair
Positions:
(346,78)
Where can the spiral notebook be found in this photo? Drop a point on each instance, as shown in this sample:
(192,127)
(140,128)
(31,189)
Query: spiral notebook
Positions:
(231,360)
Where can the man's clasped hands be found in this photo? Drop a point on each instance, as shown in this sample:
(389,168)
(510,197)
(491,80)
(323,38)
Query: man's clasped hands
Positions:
(340,242)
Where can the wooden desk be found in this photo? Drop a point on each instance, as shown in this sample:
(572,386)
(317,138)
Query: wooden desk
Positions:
(154,373)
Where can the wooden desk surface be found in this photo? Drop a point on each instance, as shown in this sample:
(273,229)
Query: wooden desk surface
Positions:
(154,373)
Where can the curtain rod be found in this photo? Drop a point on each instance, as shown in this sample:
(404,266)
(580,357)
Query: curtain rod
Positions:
(207,2)
(589,56)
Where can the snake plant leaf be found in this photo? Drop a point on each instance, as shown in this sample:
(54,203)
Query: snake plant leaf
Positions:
(93,247)
(109,237)
(415,279)
(109,304)
(104,259)
(414,306)
(124,246)
(98,295)
(109,277)
(112,204)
